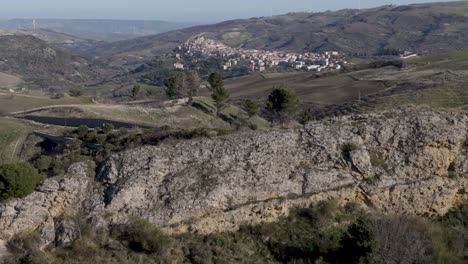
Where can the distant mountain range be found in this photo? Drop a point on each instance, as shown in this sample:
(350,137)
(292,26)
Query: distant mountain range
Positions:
(422,28)
(96,29)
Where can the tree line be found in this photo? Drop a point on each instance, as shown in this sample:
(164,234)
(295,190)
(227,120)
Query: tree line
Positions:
(282,104)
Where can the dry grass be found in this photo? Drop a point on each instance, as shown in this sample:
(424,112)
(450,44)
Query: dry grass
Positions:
(12,135)
(326,90)
(13,102)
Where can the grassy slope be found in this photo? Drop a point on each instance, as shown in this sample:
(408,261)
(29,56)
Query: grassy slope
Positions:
(8,81)
(12,135)
(179,116)
(20,102)
(451,95)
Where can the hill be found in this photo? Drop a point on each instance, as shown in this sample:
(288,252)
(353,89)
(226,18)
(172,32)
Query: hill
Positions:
(97,29)
(422,28)
(46,66)
(63,40)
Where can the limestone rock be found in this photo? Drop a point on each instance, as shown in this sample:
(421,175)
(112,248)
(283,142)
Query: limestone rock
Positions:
(361,161)
(216,184)
(55,197)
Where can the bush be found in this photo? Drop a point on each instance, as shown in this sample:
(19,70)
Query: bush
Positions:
(25,248)
(43,163)
(250,107)
(90,136)
(140,236)
(82,131)
(359,244)
(18,180)
(306,117)
(101,138)
(76,92)
(106,128)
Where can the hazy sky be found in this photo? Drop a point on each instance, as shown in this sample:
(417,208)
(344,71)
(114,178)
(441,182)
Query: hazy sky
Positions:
(175,10)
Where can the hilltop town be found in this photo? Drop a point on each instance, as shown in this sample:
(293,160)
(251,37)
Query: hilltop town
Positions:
(257,60)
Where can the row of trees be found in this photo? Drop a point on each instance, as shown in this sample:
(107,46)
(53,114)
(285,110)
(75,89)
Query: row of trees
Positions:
(282,103)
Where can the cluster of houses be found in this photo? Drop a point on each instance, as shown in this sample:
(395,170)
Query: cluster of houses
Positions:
(258,60)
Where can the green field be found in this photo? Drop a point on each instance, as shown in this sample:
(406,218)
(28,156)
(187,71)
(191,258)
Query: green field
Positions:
(12,136)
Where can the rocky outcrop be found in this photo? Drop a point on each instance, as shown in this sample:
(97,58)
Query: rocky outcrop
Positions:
(413,163)
(396,162)
(45,209)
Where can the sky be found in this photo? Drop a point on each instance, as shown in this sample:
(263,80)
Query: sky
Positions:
(199,11)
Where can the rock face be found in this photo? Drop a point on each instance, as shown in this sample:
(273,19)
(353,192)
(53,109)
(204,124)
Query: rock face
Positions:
(413,163)
(398,162)
(44,209)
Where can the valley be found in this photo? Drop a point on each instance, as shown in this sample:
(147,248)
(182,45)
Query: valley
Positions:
(309,137)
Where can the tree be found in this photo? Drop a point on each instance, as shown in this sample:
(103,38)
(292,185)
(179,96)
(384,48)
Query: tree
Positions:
(215,80)
(82,131)
(250,107)
(191,84)
(282,103)
(18,180)
(218,93)
(76,92)
(171,86)
(136,90)
(183,84)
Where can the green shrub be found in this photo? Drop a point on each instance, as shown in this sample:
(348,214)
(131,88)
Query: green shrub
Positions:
(107,128)
(101,138)
(43,163)
(306,117)
(90,136)
(82,131)
(250,107)
(359,244)
(76,92)
(18,180)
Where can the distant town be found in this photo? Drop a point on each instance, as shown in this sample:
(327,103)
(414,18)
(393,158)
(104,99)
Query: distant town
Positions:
(257,60)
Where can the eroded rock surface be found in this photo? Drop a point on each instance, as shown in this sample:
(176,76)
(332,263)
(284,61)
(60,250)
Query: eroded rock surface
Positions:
(414,163)
(54,199)
(409,163)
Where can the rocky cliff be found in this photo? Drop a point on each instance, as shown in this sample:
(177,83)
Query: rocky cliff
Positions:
(405,162)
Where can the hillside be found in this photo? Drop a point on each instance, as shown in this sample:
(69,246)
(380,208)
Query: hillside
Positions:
(63,40)
(97,29)
(46,66)
(424,28)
